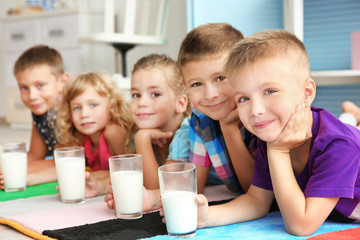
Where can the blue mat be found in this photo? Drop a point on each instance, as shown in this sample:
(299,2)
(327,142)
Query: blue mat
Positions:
(270,227)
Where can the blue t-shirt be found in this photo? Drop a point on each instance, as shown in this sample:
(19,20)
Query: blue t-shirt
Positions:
(179,149)
(332,169)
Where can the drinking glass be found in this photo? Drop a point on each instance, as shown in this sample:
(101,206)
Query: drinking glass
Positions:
(178,189)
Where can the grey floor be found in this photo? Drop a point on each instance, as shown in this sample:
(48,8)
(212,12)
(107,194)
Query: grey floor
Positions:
(11,134)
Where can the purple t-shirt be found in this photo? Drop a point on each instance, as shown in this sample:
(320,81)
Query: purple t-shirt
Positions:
(333,166)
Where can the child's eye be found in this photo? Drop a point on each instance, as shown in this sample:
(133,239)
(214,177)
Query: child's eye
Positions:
(40,85)
(155,94)
(135,95)
(242,99)
(197,84)
(23,88)
(93,105)
(270,91)
(77,108)
(220,78)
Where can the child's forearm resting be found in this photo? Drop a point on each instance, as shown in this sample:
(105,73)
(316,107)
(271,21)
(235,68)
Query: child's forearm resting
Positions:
(302,216)
(252,205)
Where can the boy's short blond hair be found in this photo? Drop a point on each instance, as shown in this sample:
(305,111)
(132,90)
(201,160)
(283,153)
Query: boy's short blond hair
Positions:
(40,55)
(268,44)
(207,41)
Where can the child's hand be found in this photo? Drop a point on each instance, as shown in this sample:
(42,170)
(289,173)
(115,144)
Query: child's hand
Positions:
(296,132)
(232,118)
(151,199)
(157,136)
(160,138)
(109,198)
(203,211)
(91,186)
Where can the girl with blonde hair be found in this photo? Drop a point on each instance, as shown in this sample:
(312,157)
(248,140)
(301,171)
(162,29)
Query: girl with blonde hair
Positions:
(94,113)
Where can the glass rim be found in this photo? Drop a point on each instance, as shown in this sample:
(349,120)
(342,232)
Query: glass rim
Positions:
(69,149)
(160,169)
(124,156)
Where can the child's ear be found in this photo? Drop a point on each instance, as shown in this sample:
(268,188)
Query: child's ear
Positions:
(181,104)
(310,91)
(62,80)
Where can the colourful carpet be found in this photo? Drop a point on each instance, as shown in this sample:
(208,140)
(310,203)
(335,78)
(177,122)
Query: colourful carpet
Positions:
(347,234)
(31,191)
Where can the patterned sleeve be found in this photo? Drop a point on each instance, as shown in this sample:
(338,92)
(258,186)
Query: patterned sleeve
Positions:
(198,153)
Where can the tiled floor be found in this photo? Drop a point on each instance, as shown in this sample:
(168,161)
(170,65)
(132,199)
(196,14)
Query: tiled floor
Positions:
(8,134)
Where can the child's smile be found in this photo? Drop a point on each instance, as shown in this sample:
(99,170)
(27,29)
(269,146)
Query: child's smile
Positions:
(90,112)
(267,95)
(39,89)
(209,90)
(153,101)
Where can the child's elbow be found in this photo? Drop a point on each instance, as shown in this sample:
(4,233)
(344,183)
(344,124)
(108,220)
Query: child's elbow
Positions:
(300,229)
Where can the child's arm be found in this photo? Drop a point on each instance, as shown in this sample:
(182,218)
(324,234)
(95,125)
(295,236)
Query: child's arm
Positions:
(41,171)
(143,145)
(97,183)
(252,205)
(302,216)
(38,148)
(202,173)
(115,137)
(240,156)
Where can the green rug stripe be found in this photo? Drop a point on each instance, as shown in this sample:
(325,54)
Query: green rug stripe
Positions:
(31,191)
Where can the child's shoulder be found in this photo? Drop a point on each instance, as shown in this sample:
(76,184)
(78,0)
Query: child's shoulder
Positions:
(327,127)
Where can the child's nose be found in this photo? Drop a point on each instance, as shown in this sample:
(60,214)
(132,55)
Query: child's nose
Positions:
(143,101)
(33,93)
(211,91)
(258,108)
(85,111)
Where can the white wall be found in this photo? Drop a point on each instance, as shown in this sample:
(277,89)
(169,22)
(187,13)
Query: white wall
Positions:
(4,6)
(175,32)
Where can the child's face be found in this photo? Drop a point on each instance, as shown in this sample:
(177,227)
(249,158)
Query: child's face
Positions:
(267,93)
(39,88)
(153,102)
(90,112)
(209,90)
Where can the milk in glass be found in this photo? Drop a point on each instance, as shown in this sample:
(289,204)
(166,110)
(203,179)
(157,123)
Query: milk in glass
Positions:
(14,169)
(127,188)
(180,211)
(71,177)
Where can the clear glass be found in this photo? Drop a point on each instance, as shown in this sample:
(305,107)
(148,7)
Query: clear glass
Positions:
(13,162)
(127,185)
(70,170)
(178,189)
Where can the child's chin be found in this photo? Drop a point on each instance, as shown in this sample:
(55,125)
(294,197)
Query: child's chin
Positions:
(268,139)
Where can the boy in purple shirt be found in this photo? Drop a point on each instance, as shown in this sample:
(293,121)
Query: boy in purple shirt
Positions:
(307,159)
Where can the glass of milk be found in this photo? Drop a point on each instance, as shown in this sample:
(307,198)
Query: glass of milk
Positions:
(178,189)
(127,185)
(70,170)
(13,162)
